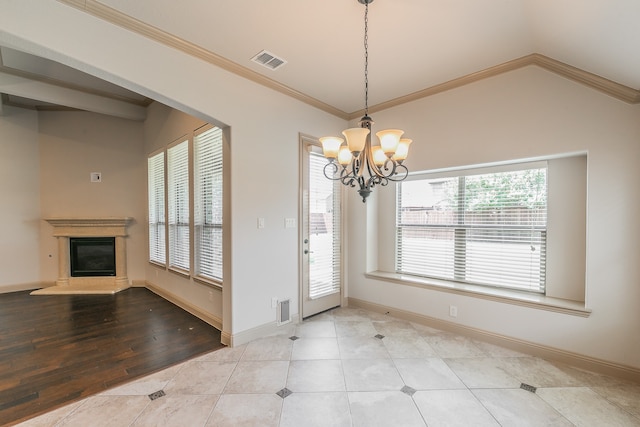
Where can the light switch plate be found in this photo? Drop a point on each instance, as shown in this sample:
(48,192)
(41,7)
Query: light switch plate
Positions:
(96,177)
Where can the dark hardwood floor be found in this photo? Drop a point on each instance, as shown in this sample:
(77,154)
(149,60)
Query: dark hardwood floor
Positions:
(60,348)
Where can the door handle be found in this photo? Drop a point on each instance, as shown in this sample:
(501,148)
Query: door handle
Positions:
(307,251)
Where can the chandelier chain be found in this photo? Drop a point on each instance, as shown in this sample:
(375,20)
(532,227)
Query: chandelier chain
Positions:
(359,163)
(366,59)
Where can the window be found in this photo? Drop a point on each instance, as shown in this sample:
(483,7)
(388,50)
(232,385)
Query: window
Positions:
(208,203)
(178,203)
(155,177)
(482,226)
(172,185)
(324,230)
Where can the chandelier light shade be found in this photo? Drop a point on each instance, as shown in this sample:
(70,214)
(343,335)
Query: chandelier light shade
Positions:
(358,162)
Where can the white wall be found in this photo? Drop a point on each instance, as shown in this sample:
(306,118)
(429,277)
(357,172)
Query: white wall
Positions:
(522,114)
(264,128)
(20,195)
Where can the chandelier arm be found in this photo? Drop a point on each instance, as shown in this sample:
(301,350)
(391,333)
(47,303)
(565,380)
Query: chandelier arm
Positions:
(334,168)
(357,162)
(392,170)
(379,171)
(377,180)
(400,173)
(347,178)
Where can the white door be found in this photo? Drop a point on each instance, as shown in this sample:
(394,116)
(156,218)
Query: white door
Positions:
(321,234)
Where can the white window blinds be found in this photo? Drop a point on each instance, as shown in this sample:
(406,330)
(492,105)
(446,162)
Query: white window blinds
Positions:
(155,176)
(178,202)
(208,203)
(486,228)
(324,230)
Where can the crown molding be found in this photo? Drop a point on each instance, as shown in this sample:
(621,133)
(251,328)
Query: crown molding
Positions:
(451,84)
(120,19)
(617,90)
(611,88)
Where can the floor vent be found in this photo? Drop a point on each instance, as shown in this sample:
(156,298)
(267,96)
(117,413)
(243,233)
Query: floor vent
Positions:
(528,387)
(156,395)
(284,314)
(269,60)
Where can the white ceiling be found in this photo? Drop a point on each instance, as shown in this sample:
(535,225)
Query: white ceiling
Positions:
(413,44)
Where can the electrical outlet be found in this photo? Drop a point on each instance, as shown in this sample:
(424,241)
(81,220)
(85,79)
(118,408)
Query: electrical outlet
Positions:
(453,311)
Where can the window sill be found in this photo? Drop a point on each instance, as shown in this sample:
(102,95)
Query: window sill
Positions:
(506,296)
(209,282)
(157,264)
(180,272)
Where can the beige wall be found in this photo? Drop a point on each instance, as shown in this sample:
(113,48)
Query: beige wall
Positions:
(163,126)
(20,195)
(264,133)
(74,144)
(528,113)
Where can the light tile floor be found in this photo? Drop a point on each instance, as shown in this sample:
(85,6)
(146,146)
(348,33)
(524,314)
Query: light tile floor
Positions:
(339,374)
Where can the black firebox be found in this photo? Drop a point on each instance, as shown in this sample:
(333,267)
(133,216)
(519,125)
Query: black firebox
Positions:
(93,256)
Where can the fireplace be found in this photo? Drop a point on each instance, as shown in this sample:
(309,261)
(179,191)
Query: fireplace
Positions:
(92,256)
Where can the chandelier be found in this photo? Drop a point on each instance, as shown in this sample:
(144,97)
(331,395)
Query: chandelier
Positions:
(358,162)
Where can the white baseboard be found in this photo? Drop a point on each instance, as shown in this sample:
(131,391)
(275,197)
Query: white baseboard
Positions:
(574,359)
(225,338)
(231,340)
(271,328)
(214,321)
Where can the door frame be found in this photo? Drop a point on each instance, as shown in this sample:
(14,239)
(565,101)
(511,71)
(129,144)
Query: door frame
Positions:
(305,140)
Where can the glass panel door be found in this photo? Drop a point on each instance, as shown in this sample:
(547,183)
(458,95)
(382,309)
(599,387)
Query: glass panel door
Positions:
(321,244)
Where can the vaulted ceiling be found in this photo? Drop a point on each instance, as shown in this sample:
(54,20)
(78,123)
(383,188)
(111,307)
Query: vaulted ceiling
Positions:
(416,47)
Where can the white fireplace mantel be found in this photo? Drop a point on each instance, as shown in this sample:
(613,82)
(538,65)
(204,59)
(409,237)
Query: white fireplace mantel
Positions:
(64,229)
(89,227)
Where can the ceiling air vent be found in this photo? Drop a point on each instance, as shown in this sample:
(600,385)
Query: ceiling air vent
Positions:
(269,60)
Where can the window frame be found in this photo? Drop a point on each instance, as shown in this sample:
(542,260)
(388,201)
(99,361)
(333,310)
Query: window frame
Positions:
(567,288)
(200,217)
(157,186)
(190,269)
(179,215)
(460,263)
(334,283)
